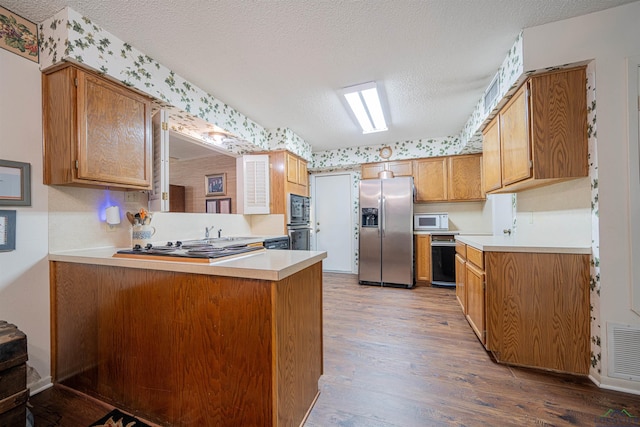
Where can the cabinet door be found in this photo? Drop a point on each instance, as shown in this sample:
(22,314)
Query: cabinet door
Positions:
(431,179)
(292,169)
(303,177)
(476,301)
(461,280)
(114,125)
(465,178)
(559,124)
(371,170)
(423,258)
(253,184)
(492,167)
(514,137)
(400,168)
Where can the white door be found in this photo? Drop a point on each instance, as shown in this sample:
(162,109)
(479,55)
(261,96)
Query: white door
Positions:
(333,221)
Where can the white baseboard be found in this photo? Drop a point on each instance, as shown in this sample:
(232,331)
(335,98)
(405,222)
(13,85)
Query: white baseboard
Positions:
(41,385)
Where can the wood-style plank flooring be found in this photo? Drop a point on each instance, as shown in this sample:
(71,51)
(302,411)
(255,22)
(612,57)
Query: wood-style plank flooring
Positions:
(407,357)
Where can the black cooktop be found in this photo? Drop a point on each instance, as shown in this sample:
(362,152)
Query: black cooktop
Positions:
(190,250)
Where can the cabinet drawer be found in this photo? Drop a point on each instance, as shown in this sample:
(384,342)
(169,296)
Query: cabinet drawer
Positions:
(461,249)
(475,256)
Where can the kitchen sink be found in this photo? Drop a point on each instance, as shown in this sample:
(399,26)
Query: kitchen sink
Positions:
(228,239)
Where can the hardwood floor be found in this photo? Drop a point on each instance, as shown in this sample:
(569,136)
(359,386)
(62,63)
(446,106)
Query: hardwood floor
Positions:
(407,357)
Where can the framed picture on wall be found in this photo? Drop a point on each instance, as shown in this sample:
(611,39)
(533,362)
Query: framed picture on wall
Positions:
(222,206)
(7,231)
(15,183)
(215,184)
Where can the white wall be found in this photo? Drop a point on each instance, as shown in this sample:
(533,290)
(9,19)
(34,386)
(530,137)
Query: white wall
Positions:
(24,273)
(609,37)
(562,209)
(465,217)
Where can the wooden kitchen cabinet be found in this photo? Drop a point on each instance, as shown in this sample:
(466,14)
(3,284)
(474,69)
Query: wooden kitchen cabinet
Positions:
(449,178)
(475,284)
(470,287)
(540,135)
(430,178)
(492,170)
(465,178)
(538,310)
(188,349)
(528,309)
(470,270)
(423,259)
(96,132)
(296,170)
(398,167)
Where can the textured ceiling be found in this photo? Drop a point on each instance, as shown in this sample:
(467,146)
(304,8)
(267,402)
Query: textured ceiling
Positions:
(281,62)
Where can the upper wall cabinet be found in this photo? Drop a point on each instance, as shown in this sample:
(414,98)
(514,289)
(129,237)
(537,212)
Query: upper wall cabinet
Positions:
(398,167)
(449,179)
(297,176)
(96,132)
(540,135)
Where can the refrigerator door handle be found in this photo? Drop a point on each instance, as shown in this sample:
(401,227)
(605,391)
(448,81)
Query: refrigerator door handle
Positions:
(384,216)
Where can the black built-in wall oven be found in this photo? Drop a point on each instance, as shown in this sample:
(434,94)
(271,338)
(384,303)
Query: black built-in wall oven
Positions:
(299,222)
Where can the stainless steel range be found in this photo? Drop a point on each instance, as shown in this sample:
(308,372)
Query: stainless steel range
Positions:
(194,251)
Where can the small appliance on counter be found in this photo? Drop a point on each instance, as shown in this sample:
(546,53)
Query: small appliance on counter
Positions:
(431,221)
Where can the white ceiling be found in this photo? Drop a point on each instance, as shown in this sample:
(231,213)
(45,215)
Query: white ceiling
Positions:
(281,62)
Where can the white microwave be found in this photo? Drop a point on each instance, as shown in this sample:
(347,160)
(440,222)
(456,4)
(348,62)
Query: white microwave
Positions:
(426,221)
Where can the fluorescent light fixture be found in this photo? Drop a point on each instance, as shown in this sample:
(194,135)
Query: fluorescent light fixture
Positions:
(366,106)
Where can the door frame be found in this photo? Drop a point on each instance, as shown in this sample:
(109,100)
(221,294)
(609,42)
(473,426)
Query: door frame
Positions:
(353,200)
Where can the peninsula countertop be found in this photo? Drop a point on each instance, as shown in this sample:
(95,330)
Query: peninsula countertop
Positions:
(266,265)
(515,243)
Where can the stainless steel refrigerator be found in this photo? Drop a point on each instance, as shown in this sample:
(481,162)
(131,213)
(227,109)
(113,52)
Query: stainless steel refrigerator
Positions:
(386,232)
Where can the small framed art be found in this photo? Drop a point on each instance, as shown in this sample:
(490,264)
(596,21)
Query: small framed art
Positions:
(7,230)
(15,183)
(215,184)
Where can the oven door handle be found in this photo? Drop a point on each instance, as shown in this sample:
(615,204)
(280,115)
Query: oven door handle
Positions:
(443,243)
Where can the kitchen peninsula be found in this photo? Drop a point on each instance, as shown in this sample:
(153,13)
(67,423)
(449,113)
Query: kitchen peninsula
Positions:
(233,342)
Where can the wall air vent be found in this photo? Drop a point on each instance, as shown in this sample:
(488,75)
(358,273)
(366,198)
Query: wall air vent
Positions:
(491,95)
(624,348)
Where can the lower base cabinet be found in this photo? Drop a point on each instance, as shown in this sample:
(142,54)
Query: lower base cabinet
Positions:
(186,349)
(538,310)
(528,309)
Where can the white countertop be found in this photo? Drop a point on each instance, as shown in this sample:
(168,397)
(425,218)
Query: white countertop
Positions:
(538,244)
(265,265)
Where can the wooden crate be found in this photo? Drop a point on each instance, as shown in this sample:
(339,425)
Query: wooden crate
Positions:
(13,375)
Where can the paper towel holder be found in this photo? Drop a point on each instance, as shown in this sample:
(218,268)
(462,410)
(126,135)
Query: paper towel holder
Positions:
(112,214)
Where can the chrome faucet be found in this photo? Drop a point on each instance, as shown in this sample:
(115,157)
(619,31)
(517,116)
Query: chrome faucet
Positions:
(207,230)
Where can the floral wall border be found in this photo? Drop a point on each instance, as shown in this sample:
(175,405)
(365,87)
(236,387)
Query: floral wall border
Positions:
(18,35)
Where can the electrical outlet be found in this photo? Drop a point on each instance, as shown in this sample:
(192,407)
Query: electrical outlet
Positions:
(530,217)
(110,228)
(130,196)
